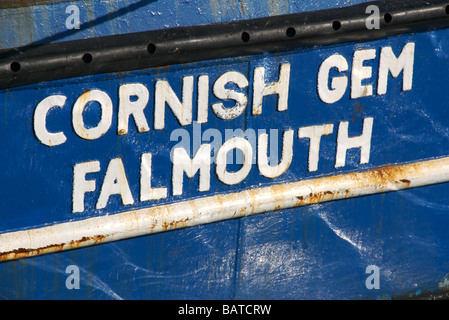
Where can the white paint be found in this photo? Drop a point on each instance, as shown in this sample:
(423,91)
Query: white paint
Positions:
(203,98)
(219,207)
(81,185)
(40,121)
(221,92)
(314,134)
(287,154)
(106,114)
(338,84)
(389,64)
(115,182)
(261,89)
(363,142)
(135,108)
(361,72)
(251,136)
(164,94)
(133,99)
(183,164)
(146,191)
(231,178)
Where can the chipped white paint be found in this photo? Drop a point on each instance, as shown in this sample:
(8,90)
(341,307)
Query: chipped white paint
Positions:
(389,64)
(344,143)
(40,121)
(134,108)
(223,93)
(361,72)
(182,110)
(314,134)
(231,178)
(106,114)
(220,207)
(273,171)
(261,89)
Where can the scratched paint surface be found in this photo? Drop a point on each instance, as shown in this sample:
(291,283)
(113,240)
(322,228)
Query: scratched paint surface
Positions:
(319,251)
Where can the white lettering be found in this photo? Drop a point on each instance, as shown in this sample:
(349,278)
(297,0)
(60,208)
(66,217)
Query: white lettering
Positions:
(361,72)
(134,108)
(363,142)
(314,133)
(261,89)
(338,84)
(81,185)
(115,182)
(390,64)
(182,163)
(146,191)
(106,114)
(165,94)
(203,98)
(40,121)
(287,155)
(225,94)
(231,178)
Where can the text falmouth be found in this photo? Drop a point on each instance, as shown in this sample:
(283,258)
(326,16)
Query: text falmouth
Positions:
(133,99)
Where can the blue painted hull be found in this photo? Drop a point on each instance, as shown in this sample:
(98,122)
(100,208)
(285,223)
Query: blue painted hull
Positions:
(318,251)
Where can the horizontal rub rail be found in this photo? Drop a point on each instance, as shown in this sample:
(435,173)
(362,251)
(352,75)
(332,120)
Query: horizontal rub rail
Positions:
(117,53)
(71,235)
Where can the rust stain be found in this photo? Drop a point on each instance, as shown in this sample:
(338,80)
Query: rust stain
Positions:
(23,252)
(379,179)
(175,224)
(242,8)
(313,198)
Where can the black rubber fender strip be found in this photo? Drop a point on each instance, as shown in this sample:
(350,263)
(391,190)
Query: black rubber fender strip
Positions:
(134,51)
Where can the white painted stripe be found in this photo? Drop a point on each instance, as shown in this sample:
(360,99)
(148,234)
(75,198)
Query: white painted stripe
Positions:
(130,224)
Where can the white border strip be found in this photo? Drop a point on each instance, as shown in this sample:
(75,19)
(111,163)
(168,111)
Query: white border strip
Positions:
(140,222)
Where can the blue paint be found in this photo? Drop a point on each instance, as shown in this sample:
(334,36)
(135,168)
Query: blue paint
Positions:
(314,252)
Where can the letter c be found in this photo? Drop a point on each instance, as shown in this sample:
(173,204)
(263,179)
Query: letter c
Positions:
(40,117)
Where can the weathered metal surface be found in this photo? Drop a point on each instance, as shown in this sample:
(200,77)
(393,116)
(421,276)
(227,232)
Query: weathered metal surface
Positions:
(305,245)
(130,224)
